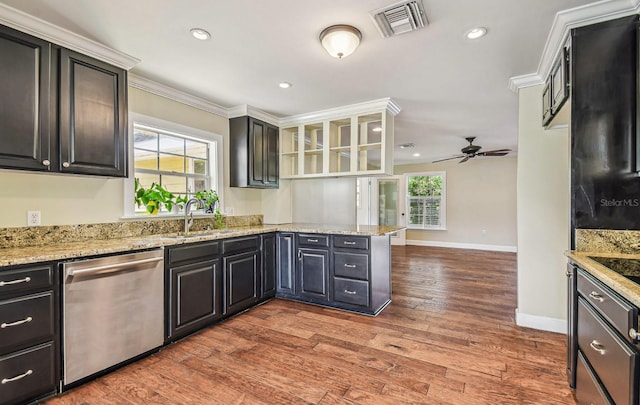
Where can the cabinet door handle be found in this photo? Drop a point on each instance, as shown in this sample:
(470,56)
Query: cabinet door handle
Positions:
(350,292)
(597,347)
(65,164)
(16,378)
(567,273)
(595,296)
(346,242)
(22,280)
(16,323)
(312,240)
(46,162)
(633,334)
(350,266)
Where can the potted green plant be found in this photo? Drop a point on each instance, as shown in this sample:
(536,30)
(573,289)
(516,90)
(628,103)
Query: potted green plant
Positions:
(209,199)
(153,197)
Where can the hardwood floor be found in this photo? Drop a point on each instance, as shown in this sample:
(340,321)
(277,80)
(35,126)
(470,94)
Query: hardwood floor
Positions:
(447,338)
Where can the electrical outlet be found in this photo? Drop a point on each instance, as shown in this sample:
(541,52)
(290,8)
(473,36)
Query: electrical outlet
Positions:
(33,218)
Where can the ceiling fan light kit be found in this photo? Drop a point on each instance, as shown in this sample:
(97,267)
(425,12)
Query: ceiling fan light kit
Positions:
(470,151)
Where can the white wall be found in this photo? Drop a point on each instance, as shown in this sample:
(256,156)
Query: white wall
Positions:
(331,200)
(543,217)
(481,196)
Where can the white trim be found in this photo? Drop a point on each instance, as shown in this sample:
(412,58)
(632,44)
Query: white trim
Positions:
(456,245)
(354,109)
(161,124)
(443,200)
(541,322)
(171,93)
(245,109)
(566,20)
(37,27)
(519,82)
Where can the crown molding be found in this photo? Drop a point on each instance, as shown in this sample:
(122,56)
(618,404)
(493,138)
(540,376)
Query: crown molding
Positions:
(171,93)
(375,105)
(244,109)
(37,27)
(563,23)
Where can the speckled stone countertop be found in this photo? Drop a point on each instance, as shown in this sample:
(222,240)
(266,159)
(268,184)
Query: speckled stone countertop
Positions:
(11,256)
(608,243)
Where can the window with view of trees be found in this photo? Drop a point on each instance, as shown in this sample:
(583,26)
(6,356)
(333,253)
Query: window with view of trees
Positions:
(179,163)
(426,200)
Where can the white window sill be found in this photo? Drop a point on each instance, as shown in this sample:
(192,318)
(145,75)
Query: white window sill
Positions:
(425,229)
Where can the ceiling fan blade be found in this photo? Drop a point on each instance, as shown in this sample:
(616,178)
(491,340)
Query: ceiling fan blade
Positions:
(451,158)
(498,150)
(492,153)
(464,160)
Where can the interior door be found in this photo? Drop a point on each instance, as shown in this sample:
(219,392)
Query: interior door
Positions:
(391,206)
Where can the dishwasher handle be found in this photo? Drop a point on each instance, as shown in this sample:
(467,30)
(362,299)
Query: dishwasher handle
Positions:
(111,268)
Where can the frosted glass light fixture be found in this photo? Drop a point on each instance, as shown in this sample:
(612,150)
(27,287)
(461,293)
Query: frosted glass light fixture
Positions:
(340,40)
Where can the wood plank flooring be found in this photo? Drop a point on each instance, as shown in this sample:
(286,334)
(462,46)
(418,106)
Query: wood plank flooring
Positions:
(447,338)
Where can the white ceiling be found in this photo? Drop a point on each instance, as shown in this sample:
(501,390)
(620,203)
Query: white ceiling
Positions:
(448,87)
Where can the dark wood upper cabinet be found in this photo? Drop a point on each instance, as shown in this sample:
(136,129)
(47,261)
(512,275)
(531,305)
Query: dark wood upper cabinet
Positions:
(93,119)
(253,153)
(25,70)
(60,111)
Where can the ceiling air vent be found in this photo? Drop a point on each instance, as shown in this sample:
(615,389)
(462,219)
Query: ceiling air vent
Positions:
(399,18)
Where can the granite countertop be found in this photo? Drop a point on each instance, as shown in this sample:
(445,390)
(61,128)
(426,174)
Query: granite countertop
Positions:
(91,247)
(623,286)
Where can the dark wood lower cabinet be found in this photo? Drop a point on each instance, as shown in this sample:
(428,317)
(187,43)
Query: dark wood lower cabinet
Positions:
(196,296)
(242,277)
(268,276)
(286,264)
(313,273)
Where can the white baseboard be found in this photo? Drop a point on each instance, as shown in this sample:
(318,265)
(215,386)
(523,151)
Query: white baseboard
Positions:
(541,322)
(454,245)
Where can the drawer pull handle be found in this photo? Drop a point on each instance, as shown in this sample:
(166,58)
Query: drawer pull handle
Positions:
(350,292)
(633,334)
(597,347)
(347,242)
(16,378)
(312,240)
(595,296)
(350,266)
(16,323)
(22,280)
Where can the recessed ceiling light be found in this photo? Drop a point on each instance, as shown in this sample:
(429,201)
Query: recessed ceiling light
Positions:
(199,33)
(476,33)
(406,145)
(377,129)
(285,85)
(416,155)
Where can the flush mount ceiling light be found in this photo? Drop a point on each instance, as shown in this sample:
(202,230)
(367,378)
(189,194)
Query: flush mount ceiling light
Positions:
(199,33)
(340,40)
(284,85)
(476,33)
(416,155)
(377,129)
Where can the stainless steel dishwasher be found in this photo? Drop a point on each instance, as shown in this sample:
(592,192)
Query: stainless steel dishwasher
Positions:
(113,310)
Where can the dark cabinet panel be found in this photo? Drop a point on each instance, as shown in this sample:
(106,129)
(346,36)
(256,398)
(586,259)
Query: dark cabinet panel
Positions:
(313,273)
(27,374)
(604,181)
(25,279)
(195,296)
(26,320)
(286,264)
(268,287)
(242,277)
(93,120)
(253,153)
(25,136)
(572,324)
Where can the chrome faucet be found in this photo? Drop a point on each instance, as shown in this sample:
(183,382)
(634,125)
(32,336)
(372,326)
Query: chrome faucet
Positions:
(188,215)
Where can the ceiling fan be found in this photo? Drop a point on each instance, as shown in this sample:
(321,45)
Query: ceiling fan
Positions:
(471,151)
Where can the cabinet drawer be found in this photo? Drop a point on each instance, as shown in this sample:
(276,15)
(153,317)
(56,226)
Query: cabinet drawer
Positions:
(193,252)
(613,360)
(619,313)
(240,244)
(351,242)
(25,279)
(351,291)
(26,320)
(351,265)
(588,388)
(27,374)
(313,240)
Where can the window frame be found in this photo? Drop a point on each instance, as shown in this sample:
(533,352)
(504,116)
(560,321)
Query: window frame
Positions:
(172,128)
(443,202)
